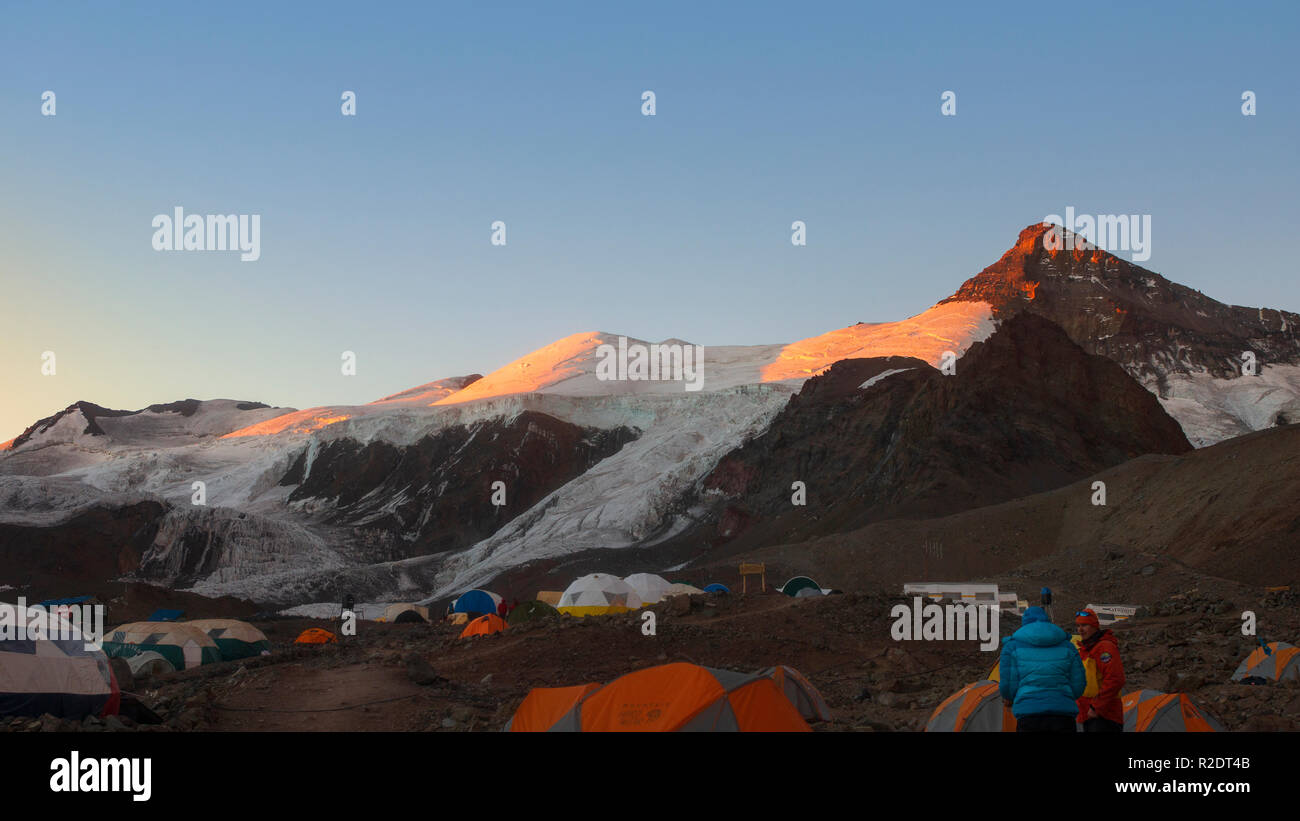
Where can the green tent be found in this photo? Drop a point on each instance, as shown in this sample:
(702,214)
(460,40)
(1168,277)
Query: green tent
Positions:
(235,639)
(182,644)
(531,611)
(792,587)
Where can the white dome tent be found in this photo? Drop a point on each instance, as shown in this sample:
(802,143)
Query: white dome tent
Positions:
(649,587)
(597,594)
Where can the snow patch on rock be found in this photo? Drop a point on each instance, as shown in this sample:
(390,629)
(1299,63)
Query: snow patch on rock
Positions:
(873,380)
(1211,410)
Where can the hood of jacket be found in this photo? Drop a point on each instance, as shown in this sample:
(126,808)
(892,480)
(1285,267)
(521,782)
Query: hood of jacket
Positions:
(1040,634)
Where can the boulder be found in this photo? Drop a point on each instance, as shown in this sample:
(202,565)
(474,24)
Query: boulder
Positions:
(419,670)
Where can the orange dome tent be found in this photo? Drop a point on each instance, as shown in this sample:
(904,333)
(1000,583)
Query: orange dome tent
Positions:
(1151,711)
(544,708)
(483,626)
(975,708)
(677,697)
(316,635)
(802,694)
(1276,661)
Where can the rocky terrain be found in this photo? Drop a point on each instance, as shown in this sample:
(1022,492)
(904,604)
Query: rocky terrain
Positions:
(428,497)
(1026,411)
(1179,343)
(1227,511)
(1113,308)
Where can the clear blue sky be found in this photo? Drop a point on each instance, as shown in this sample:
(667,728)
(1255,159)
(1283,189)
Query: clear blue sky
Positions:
(375,229)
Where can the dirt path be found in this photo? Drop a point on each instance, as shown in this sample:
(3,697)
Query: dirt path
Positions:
(295,697)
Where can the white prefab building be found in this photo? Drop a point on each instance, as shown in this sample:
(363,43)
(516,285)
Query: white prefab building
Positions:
(966,593)
(1108,614)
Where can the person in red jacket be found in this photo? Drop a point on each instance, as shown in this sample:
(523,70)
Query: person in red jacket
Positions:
(1104,712)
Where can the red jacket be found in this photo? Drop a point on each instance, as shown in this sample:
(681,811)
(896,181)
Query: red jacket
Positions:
(1103,649)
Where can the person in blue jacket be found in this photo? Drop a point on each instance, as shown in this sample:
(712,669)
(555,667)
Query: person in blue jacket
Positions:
(1041,676)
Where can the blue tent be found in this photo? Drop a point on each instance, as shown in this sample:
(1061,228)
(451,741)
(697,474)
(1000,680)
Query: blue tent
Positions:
(716,588)
(166,615)
(476,601)
(69,600)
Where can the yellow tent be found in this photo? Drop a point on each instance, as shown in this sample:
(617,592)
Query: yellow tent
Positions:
(394,610)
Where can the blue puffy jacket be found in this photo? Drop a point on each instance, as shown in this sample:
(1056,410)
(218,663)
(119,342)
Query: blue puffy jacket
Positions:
(1040,672)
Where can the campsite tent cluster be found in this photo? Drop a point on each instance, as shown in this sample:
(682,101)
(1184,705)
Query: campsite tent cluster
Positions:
(603,593)
(164,646)
(482,614)
(594,594)
(978,707)
(599,593)
(56,672)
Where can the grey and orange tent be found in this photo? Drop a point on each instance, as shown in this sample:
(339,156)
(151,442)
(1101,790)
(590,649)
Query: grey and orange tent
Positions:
(1151,711)
(483,626)
(677,697)
(316,635)
(800,691)
(975,708)
(55,673)
(1275,661)
(553,709)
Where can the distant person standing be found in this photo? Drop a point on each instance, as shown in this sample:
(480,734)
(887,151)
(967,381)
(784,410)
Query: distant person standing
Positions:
(1099,650)
(1041,676)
